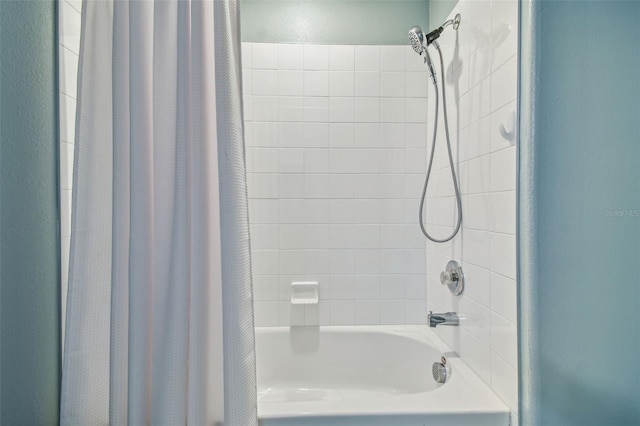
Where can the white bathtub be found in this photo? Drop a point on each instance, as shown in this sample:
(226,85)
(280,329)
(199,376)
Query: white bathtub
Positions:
(366,375)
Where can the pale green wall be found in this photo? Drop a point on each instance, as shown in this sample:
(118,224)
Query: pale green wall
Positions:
(579,159)
(439,10)
(332,21)
(29,248)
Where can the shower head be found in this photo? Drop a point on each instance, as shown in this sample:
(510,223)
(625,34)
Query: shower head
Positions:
(419,41)
(416,38)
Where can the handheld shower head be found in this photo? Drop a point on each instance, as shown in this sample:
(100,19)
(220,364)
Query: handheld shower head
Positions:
(420,41)
(416,38)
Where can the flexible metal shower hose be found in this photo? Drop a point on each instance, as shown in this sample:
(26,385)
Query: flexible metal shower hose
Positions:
(433,150)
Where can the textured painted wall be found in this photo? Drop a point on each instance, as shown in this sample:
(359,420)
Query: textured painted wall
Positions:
(580,218)
(332,21)
(29,220)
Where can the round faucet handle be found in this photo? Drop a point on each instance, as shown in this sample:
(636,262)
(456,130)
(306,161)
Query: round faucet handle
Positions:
(447,277)
(453,277)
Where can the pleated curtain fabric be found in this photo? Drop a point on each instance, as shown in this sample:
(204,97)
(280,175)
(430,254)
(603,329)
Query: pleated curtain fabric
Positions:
(159,326)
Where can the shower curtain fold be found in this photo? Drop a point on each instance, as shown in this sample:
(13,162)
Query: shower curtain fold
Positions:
(159,326)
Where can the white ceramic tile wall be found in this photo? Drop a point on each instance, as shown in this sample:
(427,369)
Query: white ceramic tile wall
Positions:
(481,85)
(69,35)
(336,153)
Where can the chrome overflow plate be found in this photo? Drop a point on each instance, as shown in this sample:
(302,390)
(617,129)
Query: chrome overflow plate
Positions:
(440,371)
(453,277)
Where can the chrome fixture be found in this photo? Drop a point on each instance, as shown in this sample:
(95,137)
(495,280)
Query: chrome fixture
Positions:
(441,372)
(446,318)
(455,22)
(416,38)
(419,42)
(433,35)
(453,277)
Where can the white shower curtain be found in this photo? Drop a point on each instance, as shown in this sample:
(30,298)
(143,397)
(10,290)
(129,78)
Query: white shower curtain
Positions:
(159,326)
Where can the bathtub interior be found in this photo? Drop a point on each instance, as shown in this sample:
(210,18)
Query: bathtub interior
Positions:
(344,359)
(373,375)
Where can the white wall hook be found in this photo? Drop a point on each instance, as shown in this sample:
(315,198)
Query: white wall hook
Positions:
(508,127)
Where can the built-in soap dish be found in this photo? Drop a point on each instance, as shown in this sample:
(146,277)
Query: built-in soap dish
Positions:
(304,293)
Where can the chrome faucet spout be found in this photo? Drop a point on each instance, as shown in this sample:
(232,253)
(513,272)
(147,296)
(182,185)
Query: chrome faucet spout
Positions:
(446,318)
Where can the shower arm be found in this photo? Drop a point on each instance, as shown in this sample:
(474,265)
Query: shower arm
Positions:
(431,37)
(455,22)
